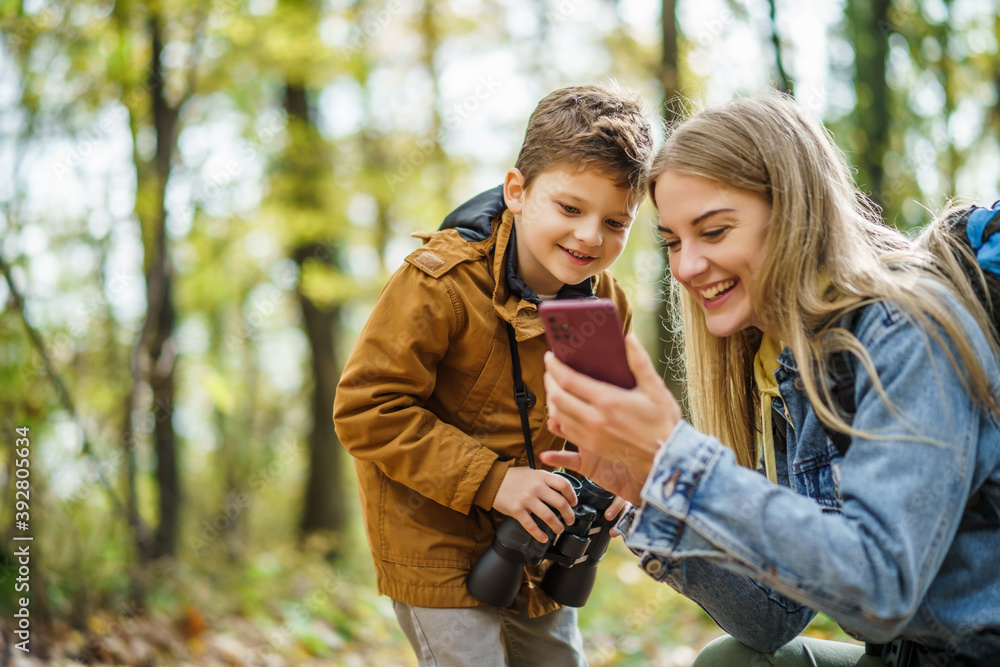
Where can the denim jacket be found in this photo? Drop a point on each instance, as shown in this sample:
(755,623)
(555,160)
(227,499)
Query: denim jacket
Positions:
(885,539)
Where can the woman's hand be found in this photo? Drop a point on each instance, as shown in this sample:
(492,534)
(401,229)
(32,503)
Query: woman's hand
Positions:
(625,481)
(618,431)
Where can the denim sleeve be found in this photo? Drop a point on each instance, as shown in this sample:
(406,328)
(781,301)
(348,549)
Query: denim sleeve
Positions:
(869,566)
(748,610)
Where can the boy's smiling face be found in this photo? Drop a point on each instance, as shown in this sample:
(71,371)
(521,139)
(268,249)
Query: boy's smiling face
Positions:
(570,224)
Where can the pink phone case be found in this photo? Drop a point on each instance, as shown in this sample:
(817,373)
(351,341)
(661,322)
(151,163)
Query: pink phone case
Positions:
(586,335)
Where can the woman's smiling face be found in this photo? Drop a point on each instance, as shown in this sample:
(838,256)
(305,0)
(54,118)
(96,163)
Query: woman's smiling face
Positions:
(715,237)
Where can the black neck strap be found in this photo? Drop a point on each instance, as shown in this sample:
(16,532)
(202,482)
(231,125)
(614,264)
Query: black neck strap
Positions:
(525,399)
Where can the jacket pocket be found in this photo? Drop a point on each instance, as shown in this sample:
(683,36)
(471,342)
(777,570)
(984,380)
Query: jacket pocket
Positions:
(482,400)
(415,530)
(814,478)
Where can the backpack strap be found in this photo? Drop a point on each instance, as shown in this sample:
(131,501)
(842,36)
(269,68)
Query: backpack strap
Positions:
(841,381)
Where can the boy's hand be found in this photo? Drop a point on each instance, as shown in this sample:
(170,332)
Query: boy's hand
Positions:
(525,492)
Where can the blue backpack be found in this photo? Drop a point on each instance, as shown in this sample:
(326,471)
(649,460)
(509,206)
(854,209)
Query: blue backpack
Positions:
(971,243)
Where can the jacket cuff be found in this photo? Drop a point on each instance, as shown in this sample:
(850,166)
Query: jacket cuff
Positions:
(487,492)
(655,531)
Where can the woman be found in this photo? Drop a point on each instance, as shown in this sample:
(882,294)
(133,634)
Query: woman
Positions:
(781,269)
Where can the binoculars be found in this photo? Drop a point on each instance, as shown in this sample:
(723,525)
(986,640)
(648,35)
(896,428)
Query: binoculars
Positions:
(496,577)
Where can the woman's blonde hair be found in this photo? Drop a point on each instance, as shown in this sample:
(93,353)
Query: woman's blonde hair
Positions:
(822,230)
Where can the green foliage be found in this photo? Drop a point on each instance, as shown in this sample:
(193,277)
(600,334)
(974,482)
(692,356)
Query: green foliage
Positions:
(271,198)
(941,109)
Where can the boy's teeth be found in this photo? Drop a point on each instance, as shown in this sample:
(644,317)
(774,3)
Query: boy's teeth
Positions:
(715,290)
(576,254)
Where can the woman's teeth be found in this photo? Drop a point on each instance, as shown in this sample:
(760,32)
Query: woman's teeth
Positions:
(716,290)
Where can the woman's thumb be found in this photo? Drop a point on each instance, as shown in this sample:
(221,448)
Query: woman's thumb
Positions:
(639,361)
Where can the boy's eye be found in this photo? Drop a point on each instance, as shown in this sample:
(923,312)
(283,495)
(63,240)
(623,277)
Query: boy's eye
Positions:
(616,224)
(572,210)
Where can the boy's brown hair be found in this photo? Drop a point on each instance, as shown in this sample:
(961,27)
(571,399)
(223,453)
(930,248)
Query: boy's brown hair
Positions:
(607,129)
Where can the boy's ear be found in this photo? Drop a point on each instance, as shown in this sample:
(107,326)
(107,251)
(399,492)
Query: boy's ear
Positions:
(513,190)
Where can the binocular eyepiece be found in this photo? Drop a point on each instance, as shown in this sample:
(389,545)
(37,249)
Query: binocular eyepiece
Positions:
(496,577)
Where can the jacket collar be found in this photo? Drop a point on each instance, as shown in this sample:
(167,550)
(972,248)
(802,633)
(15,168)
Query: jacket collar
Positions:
(474,220)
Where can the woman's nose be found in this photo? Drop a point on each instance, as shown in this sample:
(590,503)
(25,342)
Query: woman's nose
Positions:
(687,264)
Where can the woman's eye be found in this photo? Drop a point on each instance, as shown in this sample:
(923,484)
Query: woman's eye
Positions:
(670,246)
(714,233)
(572,210)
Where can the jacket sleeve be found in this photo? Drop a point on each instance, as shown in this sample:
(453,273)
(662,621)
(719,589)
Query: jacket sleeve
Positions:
(379,409)
(868,566)
(609,287)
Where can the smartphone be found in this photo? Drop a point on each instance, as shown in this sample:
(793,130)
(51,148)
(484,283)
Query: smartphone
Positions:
(586,335)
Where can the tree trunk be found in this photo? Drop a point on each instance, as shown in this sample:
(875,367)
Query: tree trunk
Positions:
(870,28)
(154,356)
(784,81)
(325,501)
(670,80)
(325,506)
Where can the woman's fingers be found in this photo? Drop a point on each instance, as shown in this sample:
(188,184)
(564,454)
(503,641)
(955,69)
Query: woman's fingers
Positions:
(572,381)
(640,362)
(555,427)
(604,418)
(572,413)
(617,505)
(562,459)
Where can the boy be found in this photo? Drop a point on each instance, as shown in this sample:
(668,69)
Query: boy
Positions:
(426,403)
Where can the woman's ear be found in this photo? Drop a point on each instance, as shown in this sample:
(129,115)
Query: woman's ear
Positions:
(514,190)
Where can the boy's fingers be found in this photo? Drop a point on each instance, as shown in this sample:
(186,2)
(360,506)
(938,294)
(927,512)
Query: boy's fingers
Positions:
(560,498)
(563,486)
(529,525)
(566,512)
(545,513)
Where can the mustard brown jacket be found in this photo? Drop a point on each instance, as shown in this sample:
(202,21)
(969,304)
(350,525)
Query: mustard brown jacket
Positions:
(426,407)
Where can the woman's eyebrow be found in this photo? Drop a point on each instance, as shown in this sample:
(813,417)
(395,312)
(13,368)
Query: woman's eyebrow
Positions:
(701,218)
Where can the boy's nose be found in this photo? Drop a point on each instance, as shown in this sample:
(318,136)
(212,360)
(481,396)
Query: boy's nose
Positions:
(589,232)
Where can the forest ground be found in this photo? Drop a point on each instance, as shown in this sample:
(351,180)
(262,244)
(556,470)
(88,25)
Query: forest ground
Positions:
(291,607)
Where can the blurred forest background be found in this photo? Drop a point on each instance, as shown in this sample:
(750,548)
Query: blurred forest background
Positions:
(199,202)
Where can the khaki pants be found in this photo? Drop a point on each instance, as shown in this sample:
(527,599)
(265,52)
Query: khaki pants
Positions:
(491,637)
